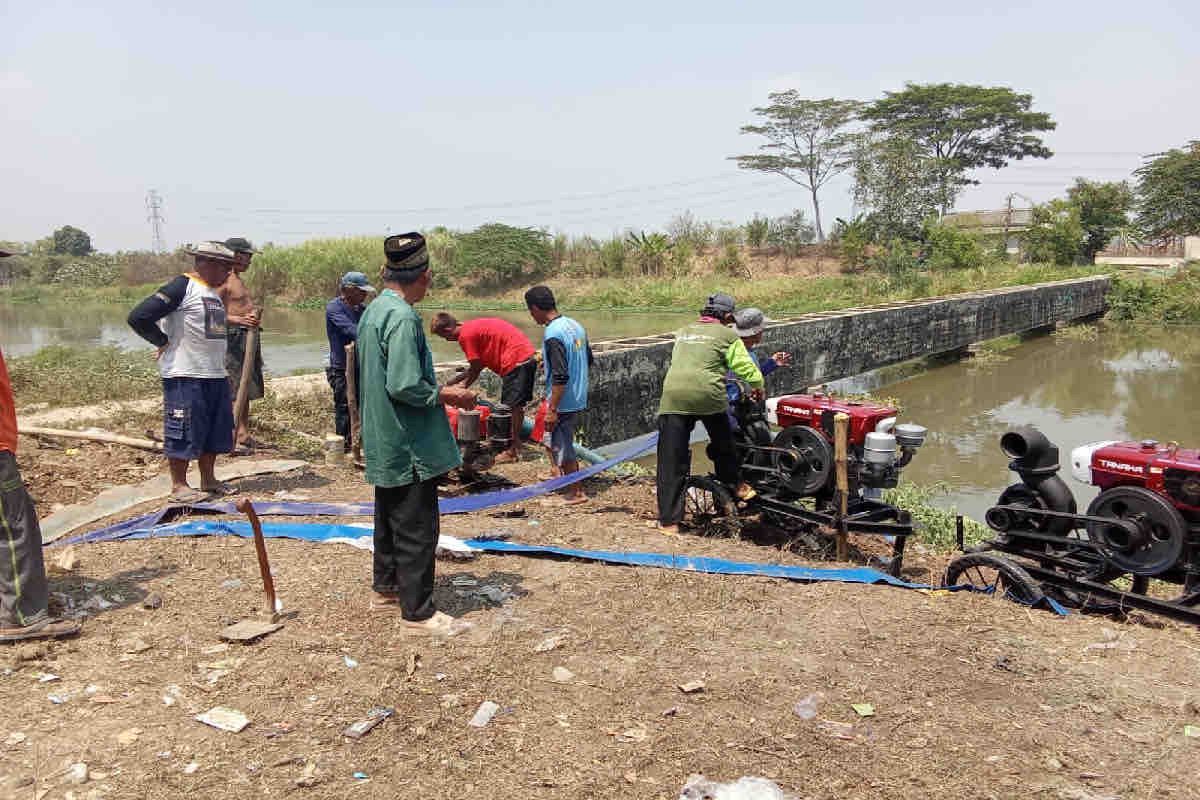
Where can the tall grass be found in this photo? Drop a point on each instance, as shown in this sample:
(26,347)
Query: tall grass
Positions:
(61,375)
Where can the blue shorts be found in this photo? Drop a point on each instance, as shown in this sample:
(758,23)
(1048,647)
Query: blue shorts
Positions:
(197,417)
(562,438)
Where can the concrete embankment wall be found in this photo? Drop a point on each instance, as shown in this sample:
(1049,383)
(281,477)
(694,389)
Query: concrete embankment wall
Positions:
(628,375)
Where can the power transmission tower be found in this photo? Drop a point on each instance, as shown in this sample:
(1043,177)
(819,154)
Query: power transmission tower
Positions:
(154,206)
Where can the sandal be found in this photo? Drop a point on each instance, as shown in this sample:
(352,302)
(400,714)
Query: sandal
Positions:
(220,489)
(188,496)
(49,628)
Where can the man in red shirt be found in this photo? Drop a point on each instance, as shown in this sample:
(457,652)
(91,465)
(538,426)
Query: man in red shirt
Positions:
(501,347)
(24,594)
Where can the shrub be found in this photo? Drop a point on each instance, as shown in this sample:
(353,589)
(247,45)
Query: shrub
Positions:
(949,248)
(730,262)
(757,230)
(897,259)
(1056,235)
(790,233)
(852,239)
(649,251)
(686,228)
(613,255)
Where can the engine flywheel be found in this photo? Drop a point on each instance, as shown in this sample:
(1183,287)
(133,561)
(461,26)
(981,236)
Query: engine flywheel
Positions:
(1161,530)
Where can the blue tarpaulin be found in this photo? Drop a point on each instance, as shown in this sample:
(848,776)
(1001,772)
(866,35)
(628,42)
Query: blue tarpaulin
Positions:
(448,505)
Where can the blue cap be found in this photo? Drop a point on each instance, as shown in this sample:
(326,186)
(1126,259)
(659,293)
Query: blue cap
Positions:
(357,280)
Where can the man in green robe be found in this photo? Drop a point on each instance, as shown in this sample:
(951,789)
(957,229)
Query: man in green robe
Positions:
(407,443)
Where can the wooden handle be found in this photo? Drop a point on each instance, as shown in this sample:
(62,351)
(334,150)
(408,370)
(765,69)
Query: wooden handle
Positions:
(352,400)
(241,404)
(260,547)
(841,435)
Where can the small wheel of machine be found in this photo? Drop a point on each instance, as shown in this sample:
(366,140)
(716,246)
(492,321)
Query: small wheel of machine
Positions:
(804,459)
(708,507)
(1161,530)
(995,575)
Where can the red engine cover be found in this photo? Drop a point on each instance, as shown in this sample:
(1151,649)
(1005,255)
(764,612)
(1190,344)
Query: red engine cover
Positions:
(484,413)
(806,409)
(1171,471)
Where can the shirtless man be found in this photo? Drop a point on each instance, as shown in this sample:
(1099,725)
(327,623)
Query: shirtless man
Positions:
(240,317)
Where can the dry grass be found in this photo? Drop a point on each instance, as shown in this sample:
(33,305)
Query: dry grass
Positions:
(974,697)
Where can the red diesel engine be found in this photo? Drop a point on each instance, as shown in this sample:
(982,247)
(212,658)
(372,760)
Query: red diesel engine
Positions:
(878,448)
(1165,469)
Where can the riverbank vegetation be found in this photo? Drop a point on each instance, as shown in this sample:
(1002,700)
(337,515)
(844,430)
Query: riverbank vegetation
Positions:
(58,375)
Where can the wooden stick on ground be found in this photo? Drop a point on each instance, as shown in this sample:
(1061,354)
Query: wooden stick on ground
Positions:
(92,436)
(260,547)
(352,400)
(241,405)
(841,433)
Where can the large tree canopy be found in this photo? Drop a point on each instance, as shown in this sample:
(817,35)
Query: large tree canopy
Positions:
(963,127)
(808,142)
(1169,193)
(899,185)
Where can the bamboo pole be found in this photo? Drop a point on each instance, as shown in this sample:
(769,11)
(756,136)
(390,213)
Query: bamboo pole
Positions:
(92,436)
(260,548)
(352,401)
(841,431)
(241,406)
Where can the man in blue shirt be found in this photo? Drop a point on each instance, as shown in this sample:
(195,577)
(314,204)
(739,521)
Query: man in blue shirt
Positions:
(342,314)
(567,355)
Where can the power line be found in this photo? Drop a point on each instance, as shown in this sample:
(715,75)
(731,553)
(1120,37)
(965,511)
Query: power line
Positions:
(154,205)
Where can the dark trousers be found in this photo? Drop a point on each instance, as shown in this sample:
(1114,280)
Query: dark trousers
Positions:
(406,536)
(341,406)
(675,458)
(23,589)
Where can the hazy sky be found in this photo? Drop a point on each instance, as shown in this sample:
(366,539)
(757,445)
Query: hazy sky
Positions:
(281,122)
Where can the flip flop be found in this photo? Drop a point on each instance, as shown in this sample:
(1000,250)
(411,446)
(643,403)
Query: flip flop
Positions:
(50,628)
(440,624)
(221,489)
(187,497)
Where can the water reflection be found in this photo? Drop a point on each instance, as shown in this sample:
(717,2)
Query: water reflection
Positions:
(1123,385)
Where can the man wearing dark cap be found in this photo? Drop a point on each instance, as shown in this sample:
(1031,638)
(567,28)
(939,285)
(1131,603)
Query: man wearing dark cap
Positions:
(407,443)
(342,314)
(694,390)
(241,317)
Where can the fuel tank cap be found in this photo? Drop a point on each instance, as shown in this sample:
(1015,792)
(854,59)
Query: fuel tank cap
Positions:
(1149,444)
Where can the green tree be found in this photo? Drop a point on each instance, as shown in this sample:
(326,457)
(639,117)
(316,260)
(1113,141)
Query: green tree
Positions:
(1103,212)
(808,142)
(950,248)
(71,241)
(900,185)
(1056,235)
(790,232)
(1168,192)
(962,127)
(496,253)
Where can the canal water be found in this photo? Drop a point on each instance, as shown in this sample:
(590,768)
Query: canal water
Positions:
(1122,384)
(293,339)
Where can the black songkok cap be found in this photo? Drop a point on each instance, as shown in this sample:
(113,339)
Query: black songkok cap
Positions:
(405,252)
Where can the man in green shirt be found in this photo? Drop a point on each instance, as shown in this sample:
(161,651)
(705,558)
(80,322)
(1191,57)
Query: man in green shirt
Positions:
(694,390)
(407,443)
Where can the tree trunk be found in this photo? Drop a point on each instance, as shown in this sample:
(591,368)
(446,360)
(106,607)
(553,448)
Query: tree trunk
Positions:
(817,216)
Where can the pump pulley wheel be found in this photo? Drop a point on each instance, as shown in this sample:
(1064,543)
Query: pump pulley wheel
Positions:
(803,459)
(1161,530)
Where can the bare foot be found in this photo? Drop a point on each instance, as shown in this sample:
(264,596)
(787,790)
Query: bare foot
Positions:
(507,457)
(385,601)
(745,492)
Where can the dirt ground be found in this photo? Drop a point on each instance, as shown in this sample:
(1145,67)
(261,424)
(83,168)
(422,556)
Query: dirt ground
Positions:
(972,697)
